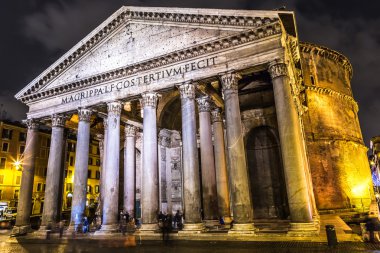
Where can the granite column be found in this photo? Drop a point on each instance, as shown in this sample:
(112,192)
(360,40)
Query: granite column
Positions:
(238,173)
(81,169)
(111,164)
(54,172)
(221,166)
(24,205)
(129,169)
(191,177)
(291,147)
(149,196)
(210,199)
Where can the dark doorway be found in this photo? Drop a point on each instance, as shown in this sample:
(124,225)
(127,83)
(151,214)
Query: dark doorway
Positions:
(267,182)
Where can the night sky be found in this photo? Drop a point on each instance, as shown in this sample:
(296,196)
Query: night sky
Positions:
(35,33)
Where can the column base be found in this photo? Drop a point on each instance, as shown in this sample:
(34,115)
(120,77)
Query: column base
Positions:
(149,228)
(242,228)
(227,220)
(108,229)
(192,228)
(211,223)
(21,230)
(303,229)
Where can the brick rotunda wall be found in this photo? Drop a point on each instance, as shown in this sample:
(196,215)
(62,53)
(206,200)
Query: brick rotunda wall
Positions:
(337,155)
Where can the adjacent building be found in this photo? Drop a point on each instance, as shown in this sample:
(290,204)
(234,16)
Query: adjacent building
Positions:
(12,143)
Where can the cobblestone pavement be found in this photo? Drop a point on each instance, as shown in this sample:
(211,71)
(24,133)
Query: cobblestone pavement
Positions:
(131,245)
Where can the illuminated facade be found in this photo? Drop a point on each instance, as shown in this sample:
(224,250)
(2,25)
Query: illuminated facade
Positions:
(13,137)
(217,113)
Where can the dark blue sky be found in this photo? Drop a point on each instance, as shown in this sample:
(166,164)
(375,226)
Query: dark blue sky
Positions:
(35,33)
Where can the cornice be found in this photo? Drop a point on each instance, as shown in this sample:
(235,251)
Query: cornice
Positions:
(328,54)
(334,94)
(268,27)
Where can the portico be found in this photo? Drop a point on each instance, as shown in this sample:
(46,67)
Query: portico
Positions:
(161,94)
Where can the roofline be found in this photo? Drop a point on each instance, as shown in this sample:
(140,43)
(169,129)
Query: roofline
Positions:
(217,16)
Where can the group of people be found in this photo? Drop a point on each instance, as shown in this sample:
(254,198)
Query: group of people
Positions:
(167,220)
(127,222)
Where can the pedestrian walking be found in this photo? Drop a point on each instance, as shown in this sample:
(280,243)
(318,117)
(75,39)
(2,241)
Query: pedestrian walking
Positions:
(60,226)
(85,225)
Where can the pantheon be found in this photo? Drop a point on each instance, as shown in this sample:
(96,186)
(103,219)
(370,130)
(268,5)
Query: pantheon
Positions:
(215,113)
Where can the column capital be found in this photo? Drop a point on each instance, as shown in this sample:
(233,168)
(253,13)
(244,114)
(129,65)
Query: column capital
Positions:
(204,104)
(32,124)
(277,69)
(149,99)
(216,115)
(84,114)
(58,120)
(114,108)
(230,80)
(130,130)
(187,90)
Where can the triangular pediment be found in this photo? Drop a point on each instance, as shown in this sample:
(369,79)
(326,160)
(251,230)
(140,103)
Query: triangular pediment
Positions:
(136,34)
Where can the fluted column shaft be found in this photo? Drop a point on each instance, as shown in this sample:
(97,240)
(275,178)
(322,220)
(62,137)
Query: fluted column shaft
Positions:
(81,168)
(130,169)
(210,200)
(221,166)
(191,184)
(54,172)
(238,173)
(111,165)
(24,205)
(291,147)
(149,197)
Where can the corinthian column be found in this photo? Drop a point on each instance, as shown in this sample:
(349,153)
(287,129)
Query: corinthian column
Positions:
(221,166)
(129,169)
(191,184)
(149,196)
(111,164)
(54,172)
(210,203)
(291,147)
(238,173)
(81,168)
(103,172)
(24,205)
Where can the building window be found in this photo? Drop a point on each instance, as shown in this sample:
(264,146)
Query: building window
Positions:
(22,137)
(18,179)
(65,173)
(97,162)
(43,187)
(39,187)
(45,172)
(1,194)
(69,187)
(89,174)
(2,162)
(70,174)
(96,188)
(97,175)
(71,161)
(97,150)
(1,180)
(22,149)
(89,189)
(5,147)
(7,134)
(89,161)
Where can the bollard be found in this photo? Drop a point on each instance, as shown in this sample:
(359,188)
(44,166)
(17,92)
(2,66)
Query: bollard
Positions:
(331,235)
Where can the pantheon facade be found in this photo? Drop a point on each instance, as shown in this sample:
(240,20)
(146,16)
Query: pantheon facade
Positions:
(216,113)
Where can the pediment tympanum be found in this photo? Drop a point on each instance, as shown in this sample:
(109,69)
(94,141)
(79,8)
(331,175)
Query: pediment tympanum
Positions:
(139,49)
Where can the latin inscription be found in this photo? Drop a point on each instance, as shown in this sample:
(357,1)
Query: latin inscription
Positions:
(141,80)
